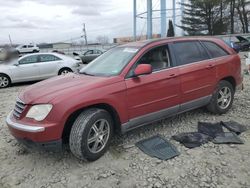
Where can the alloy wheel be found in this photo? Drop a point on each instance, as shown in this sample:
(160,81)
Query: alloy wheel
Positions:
(98,135)
(224,97)
(4,81)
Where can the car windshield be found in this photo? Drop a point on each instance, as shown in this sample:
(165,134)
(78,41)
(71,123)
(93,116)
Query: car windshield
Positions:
(111,63)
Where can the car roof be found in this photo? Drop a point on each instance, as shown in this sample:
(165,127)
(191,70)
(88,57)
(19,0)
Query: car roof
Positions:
(42,53)
(140,44)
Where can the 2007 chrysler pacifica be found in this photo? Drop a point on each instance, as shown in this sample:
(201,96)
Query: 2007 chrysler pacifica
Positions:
(126,87)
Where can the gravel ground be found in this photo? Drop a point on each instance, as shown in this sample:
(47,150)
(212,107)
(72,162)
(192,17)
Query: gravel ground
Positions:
(124,165)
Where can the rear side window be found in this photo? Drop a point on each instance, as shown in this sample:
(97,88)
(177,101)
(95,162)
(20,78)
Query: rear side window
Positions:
(47,58)
(189,52)
(214,50)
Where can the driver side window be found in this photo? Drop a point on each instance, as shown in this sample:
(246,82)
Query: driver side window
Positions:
(157,57)
(29,60)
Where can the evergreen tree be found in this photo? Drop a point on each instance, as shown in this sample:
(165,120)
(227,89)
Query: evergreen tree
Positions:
(204,17)
(170,29)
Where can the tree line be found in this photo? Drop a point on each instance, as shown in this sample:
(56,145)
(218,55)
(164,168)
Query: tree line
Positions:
(216,17)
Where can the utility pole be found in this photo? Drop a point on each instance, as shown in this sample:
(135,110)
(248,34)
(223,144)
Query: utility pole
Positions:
(85,34)
(163,19)
(174,13)
(10,41)
(135,12)
(149,19)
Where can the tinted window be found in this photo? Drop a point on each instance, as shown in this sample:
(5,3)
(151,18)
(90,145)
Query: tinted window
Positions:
(46,58)
(214,49)
(28,60)
(189,52)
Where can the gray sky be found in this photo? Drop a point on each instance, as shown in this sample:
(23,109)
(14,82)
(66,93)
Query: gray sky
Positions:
(60,20)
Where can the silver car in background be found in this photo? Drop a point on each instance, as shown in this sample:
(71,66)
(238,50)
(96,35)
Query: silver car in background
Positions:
(38,66)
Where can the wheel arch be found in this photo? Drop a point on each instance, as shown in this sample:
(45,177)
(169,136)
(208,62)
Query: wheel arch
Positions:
(71,118)
(64,67)
(231,80)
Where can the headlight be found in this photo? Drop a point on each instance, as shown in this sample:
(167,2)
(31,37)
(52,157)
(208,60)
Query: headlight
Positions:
(39,112)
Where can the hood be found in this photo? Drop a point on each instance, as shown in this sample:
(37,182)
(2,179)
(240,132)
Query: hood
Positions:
(46,91)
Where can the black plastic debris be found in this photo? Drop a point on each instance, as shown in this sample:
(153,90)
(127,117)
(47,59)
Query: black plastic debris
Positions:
(159,147)
(234,126)
(227,138)
(192,139)
(210,129)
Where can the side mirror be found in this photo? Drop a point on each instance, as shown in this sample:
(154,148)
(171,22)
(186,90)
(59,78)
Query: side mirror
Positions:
(143,69)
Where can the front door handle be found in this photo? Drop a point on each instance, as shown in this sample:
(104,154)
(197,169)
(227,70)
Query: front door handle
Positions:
(210,66)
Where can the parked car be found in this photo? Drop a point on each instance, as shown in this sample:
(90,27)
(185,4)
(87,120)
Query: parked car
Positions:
(243,43)
(88,56)
(126,87)
(27,48)
(37,66)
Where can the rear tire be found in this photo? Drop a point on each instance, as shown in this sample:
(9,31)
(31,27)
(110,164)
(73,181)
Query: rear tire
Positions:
(91,134)
(4,81)
(222,98)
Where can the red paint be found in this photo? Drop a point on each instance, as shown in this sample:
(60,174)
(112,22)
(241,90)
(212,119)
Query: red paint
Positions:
(132,97)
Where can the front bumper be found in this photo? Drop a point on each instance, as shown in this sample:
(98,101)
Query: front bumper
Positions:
(34,136)
(55,146)
(22,127)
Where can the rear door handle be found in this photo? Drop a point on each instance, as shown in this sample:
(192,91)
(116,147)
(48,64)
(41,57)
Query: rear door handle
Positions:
(210,66)
(172,76)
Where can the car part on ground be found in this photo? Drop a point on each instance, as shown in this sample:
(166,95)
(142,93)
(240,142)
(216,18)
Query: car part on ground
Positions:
(192,139)
(212,132)
(210,129)
(159,147)
(227,138)
(234,126)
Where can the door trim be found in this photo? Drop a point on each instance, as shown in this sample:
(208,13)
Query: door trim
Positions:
(165,113)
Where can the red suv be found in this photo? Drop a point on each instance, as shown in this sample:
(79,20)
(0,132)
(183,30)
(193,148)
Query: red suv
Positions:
(126,87)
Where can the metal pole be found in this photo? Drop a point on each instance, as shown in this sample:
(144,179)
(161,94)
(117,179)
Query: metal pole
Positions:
(149,19)
(163,19)
(135,12)
(174,14)
(182,15)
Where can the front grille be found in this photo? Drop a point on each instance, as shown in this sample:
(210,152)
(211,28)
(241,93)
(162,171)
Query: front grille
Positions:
(19,108)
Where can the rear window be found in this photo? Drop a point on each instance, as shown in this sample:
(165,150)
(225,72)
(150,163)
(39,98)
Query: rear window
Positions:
(189,52)
(214,50)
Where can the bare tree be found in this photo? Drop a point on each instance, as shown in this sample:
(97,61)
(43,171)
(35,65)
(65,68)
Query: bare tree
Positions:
(102,39)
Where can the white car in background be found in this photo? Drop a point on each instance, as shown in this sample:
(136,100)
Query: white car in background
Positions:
(38,66)
(30,48)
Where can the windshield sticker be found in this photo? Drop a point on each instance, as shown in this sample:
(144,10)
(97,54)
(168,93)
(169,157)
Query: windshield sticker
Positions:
(130,50)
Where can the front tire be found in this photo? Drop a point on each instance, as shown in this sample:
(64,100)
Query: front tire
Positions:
(91,134)
(4,81)
(222,98)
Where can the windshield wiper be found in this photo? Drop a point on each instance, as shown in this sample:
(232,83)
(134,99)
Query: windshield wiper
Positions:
(85,73)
